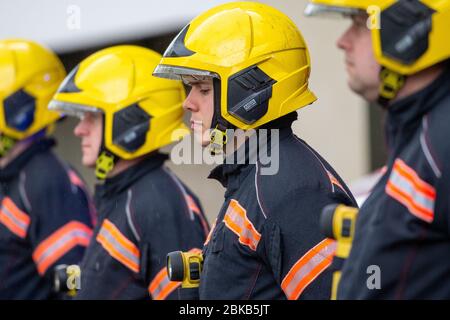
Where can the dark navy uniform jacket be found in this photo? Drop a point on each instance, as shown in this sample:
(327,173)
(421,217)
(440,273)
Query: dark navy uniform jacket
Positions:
(402,233)
(45,220)
(145,212)
(267,243)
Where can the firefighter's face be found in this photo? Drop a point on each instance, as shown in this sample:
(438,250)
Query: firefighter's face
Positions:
(362,69)
(200,103)
(90,129)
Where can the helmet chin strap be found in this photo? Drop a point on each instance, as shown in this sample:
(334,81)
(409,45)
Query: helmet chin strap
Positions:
(219,126)
(106,160)
(104,164)
(218,140)
(391,83)
(6,144)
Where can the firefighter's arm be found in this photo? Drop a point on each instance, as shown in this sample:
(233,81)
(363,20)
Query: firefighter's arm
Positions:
(443,199)
(157,232)
(61,225)
(154,250)
(298,253)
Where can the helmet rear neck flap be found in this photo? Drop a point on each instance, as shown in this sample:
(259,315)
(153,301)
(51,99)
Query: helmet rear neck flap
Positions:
(404,30)
(130,127)
(19,110)
(248,97)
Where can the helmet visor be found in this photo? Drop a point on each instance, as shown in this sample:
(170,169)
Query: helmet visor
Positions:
(177,73)
(72,109)
(313,10)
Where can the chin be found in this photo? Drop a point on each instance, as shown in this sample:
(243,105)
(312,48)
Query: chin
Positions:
(356,87)
(88,163)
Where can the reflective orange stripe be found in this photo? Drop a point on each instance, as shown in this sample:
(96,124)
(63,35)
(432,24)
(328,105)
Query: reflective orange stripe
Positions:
(59,243)
(13,218)
(118,246)
(210,233)
(74,179)
(308,268)
(416,195)
(336,182)
(236,220)
(193,206)
(409,174)
(161,287)
(408,201)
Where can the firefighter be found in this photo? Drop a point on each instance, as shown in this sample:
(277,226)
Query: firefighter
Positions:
(145,211)
(397,53)
(45,211)
(253,74)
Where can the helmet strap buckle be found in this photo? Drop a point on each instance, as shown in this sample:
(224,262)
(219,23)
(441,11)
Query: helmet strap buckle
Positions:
(391,83)
(104,164)
(218,139)
(6,144)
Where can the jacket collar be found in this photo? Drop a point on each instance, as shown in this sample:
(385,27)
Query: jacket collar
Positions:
(13,168)
(115,185)
(237,165)
(406,114)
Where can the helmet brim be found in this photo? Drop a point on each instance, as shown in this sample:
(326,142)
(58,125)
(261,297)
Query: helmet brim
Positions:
(319,10)
(72,109)
(176,73)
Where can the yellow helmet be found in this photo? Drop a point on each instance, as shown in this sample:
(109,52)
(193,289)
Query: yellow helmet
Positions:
(410,36)
(257,57)
(140,111)
(29,76)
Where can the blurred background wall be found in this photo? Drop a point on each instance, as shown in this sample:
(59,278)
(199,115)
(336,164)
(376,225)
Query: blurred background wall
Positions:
(339,125)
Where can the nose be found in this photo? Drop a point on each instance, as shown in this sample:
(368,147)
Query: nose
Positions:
(344,42)
(189,103)
(82,128)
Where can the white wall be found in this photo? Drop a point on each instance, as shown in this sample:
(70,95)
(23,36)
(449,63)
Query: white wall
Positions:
(66,25)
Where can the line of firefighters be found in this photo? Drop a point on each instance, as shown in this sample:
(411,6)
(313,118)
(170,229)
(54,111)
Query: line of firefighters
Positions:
(246,66)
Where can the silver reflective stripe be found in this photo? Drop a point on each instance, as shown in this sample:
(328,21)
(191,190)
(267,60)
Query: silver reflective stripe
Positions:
(162,284)
(23,193)
(305,270)
(257,189)
(324,10)
(130,220)
(105,233)
(407,187)
(58,244)
(18,223)
(426,149)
